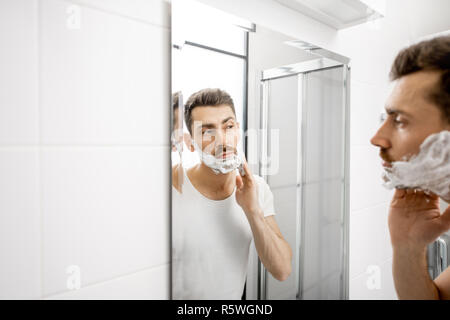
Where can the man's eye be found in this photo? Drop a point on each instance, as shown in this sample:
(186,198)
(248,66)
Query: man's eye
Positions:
(230,126)
(397,120)
(208,132)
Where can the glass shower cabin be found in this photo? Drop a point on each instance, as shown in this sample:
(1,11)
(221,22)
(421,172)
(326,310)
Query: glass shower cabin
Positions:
(305,160)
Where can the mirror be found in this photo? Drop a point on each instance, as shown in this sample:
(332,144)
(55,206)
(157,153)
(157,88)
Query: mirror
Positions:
(254,109)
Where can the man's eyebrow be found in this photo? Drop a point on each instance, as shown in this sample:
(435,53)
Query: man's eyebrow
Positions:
(207,125)
(391,110)
(212,125)
(227,119)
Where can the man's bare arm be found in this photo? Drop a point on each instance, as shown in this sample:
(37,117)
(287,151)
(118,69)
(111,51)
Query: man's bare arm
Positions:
(411,278)
(273,250)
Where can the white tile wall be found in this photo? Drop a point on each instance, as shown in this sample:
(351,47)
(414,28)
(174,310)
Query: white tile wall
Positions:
(84,148)
(366,188)
(156,12)
(99,82)
(20,223)
(376,283)
(369,238)
(147,284)
(18,76)
(102,211)
(367,103)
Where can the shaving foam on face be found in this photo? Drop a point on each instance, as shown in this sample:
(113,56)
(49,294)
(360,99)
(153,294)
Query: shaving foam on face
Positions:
(429,170)
(219,165)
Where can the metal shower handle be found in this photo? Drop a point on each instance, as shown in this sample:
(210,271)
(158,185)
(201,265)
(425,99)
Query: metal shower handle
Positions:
(442,255)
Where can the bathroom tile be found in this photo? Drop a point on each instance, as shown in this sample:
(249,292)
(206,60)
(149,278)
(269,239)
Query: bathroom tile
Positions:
(366,187)
(20,227)
(367,104)
(371,63)
(152,11)
(152,284)
(18,76)
(105,82)
(369,238)
(105,211)
(364,69)
(375,284)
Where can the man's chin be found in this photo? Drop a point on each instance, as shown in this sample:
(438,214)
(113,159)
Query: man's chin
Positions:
(386,164)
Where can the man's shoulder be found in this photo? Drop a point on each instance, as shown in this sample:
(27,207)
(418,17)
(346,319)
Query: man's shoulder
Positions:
(177,176)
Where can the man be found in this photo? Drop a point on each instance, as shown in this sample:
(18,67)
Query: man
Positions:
(217,211)
(418,107)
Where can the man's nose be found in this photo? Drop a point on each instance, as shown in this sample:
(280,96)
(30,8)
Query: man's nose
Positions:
(224,137)
(230,137)
(219,137)
(380,139)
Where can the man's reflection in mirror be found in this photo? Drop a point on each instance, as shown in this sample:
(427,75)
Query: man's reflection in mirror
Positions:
(177,137)
(222,208)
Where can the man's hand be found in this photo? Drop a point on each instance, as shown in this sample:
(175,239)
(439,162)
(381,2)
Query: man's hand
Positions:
(415,219)
(247,192)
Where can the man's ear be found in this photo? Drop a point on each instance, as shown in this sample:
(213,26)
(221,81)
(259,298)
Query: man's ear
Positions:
(188,140)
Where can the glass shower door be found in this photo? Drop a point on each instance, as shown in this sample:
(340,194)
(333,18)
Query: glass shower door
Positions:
(309,111)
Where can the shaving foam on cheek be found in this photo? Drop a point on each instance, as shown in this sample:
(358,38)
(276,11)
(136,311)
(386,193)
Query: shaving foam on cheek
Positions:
(429,170)
(219,165)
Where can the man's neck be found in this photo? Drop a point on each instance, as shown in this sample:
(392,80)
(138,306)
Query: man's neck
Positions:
(205,176)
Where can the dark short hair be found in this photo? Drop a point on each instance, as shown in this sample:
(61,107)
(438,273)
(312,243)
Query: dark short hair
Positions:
(206,97)
(175,105)
(432,55)
(175,99)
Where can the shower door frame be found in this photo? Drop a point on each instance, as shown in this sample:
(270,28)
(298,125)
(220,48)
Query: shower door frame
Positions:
(325,60)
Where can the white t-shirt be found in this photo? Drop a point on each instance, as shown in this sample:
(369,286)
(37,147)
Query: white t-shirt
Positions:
(210,243)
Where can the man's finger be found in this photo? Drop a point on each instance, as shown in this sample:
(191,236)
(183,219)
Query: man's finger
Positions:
(431,195)
(420,193)
(399,193)
(445,218)
(248,174)
(239,182)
